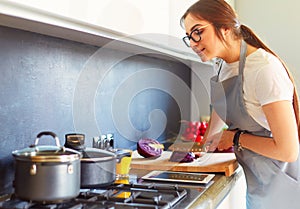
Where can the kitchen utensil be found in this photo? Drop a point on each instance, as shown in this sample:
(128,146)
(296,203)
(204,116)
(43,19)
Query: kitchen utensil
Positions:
(47,173)
(104,142)
(196,147)
(98,167)
(188,147)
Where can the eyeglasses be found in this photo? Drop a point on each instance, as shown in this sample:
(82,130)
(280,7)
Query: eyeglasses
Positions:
(195,35)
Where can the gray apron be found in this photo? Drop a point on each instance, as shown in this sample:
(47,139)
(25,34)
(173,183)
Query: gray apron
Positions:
(271,184)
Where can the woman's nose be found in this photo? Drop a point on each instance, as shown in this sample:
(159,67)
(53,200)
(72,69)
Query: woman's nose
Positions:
(193,43)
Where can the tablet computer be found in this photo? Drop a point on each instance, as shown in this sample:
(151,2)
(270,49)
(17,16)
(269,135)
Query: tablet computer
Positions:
(181,177)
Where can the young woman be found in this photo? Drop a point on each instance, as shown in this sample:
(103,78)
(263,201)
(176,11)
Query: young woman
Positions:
(254,94)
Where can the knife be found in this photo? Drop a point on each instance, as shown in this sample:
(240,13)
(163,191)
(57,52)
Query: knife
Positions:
(187,147)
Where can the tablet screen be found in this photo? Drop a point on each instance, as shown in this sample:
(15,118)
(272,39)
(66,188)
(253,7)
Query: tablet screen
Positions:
(179,177)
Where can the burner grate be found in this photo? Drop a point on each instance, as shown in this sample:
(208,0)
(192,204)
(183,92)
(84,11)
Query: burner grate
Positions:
(116,196)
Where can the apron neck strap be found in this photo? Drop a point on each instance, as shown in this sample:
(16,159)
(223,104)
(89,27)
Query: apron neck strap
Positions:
(242,57)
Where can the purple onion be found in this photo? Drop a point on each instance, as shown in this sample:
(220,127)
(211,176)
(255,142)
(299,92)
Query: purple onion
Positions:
(149,148)
(182,157)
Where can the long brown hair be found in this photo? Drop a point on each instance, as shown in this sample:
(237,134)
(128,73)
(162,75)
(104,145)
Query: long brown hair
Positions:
(222,15)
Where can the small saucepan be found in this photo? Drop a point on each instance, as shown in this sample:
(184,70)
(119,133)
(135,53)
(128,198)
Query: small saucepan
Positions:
(98,167)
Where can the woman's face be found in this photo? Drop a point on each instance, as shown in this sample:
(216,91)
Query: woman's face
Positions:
(210,46)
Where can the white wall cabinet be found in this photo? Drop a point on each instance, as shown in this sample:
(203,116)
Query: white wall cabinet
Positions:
(126,16)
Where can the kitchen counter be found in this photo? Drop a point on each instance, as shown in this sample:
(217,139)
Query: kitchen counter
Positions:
(214,195)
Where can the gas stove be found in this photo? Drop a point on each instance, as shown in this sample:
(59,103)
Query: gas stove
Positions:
(125,196)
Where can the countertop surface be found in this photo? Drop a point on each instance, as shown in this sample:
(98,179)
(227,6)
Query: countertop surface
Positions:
(213,195)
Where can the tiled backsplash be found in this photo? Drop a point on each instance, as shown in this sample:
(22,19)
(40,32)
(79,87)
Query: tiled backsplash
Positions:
(62,86)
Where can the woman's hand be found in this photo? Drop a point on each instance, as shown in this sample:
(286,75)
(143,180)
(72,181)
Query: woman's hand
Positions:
(221,141)
(214,133)
(226,141)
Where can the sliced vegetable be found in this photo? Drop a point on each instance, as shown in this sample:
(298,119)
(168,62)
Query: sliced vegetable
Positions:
(182,157)
(194,130)
(149,148)
(230,149)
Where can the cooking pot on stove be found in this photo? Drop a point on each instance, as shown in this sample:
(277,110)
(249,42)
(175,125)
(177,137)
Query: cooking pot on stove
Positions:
(47,173)
(98,167)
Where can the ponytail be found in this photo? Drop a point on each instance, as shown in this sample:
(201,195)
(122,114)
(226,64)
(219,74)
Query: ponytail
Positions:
(251,38)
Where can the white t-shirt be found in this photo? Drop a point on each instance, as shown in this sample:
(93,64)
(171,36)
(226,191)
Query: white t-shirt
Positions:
(265,81)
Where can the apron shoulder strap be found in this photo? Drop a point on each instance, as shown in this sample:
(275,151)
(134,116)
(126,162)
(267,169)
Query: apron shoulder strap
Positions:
(242,57)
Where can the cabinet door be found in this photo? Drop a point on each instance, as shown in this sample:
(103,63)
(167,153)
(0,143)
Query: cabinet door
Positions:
(236,199)
(126,16)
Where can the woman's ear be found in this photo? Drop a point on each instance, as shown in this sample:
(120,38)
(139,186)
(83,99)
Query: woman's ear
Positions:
(225,32)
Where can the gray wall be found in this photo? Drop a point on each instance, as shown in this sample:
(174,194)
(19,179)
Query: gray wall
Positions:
(63,86)
(276,22)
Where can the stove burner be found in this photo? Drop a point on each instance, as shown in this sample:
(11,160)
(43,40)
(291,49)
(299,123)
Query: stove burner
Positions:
(116,196)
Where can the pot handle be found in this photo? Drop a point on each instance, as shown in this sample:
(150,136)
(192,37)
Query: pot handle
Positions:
(122,153)
(47,133)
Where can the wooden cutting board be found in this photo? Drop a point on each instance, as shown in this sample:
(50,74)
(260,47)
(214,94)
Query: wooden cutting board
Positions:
(209,163)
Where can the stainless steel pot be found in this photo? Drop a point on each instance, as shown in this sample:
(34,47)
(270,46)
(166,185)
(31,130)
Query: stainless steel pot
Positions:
(47,173)
(98,167)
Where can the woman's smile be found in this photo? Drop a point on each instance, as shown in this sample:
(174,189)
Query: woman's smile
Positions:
(200,52)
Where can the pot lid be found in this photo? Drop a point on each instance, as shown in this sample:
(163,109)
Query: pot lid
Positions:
(76,141)
(94,154)
(47,153)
